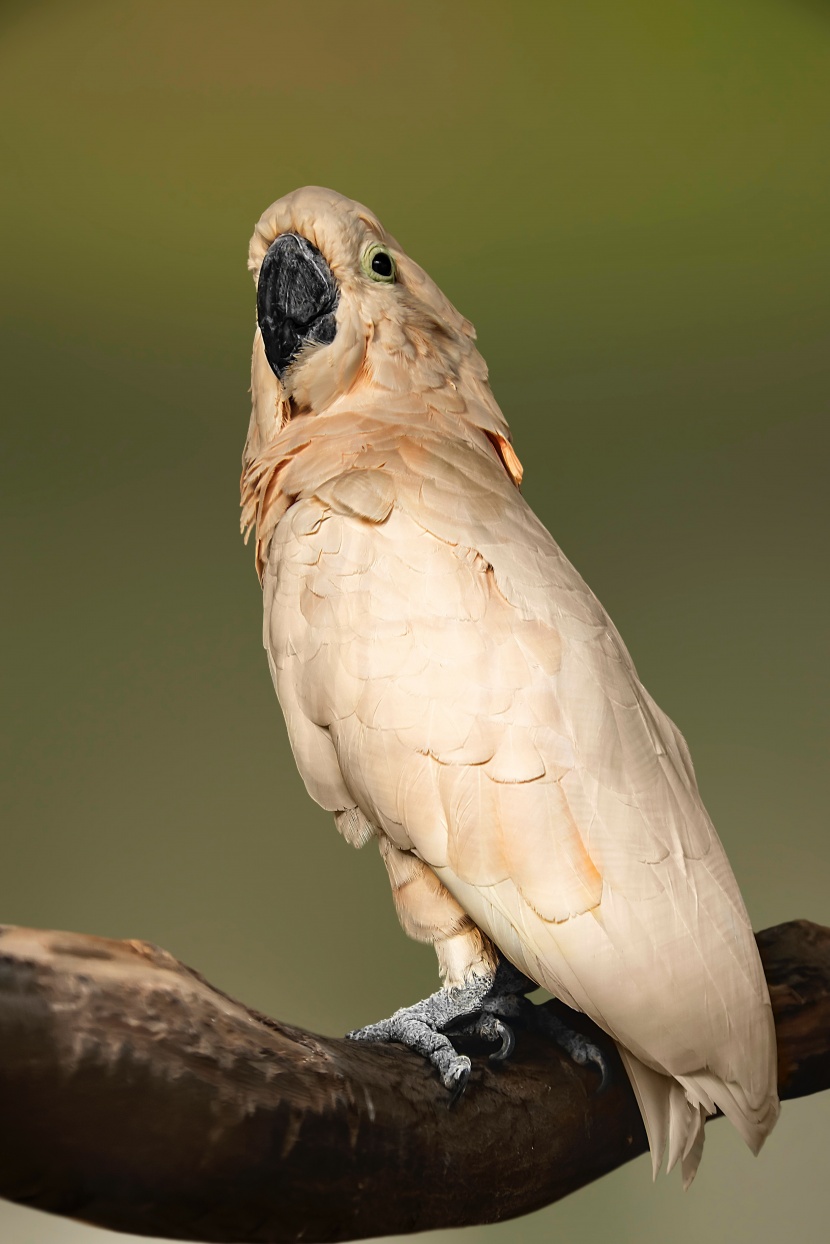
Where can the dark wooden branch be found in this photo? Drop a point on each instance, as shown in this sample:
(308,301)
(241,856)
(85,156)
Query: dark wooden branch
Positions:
(135,1096)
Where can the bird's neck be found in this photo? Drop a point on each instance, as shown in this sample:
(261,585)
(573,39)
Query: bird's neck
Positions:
(311,449)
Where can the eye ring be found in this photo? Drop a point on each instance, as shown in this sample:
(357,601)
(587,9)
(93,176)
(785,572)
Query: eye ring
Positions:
(378,264)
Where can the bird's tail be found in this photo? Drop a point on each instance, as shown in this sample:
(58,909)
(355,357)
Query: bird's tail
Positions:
(674,1111)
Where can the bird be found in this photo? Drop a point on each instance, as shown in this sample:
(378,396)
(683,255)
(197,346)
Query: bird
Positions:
(454,691)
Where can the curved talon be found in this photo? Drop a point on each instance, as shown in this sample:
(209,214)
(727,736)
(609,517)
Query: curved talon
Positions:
(599,1060)
(508,1042)
(586,1053)
(456,1080)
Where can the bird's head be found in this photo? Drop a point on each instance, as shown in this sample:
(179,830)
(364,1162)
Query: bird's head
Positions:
(349,325)
(343,314)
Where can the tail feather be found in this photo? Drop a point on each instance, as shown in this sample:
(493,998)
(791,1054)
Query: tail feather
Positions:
(753,1122)
(685,1126)
(691,1159)
(674,1111)
(653,1099)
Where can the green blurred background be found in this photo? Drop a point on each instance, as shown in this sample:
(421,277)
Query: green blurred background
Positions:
(631,202)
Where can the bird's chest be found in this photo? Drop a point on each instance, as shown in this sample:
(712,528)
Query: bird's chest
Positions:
(315,572)
(351,603)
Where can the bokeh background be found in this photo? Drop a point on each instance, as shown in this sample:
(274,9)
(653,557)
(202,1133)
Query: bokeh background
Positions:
(631,201)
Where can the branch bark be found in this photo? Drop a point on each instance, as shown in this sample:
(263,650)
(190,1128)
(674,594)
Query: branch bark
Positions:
(135,1096)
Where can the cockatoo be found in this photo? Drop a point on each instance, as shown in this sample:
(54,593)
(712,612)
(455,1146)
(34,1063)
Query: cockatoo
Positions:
(454,690)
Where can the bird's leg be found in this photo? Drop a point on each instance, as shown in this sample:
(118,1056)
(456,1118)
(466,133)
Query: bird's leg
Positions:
(484,1007)
(422,1028)
(466,958)
(485,996)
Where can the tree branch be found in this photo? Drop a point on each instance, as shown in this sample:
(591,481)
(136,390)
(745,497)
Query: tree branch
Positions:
(135,1096)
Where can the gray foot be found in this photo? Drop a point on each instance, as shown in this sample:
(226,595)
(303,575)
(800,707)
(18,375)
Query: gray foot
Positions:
(507,1000)
(487,1008)
(577,1047)
(422,1027)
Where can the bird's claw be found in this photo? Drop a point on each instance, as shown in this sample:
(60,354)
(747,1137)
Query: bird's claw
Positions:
(578,1048)
(423,1028)
(588,1053)
(491,1027)
(605,1075)
(456,1078)
(480,1008)
(508,1042)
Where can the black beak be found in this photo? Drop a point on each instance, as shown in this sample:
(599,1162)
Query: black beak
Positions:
(296,300)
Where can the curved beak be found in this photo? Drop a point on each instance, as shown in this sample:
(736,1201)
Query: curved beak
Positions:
(296,300)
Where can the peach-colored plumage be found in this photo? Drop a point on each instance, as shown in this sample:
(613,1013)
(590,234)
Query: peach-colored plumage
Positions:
(453,687)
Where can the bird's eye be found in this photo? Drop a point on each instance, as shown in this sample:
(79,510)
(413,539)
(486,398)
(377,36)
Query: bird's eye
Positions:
(378,264)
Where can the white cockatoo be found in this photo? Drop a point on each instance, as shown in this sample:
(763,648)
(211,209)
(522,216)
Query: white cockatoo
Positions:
(454,690)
